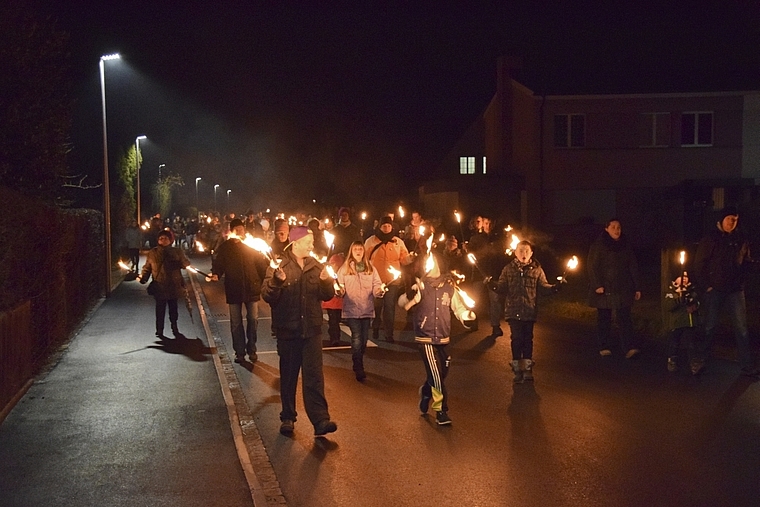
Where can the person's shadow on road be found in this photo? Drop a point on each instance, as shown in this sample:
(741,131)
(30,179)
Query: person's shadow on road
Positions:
(192,348)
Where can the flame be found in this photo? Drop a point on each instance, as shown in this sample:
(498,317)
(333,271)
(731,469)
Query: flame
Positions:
(572,263)
(400,212)
(460,277)
(682,257)
(123,265)
(471,258)
(292,220)
(442,238)
(329,238)
(458,216)
(422,230)
(429,243)
(468,301)
(208,220)
(260,246)
(508,228)
(199,246)
(513,244)
(429,263)
(321,260)
(191,269)
(331,272)
(394,272)
(364,215)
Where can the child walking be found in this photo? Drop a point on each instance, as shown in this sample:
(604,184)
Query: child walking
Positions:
(682,320)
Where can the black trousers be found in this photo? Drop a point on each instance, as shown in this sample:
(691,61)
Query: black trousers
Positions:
(436,362)
(161,314)
(302,355)
(522,338)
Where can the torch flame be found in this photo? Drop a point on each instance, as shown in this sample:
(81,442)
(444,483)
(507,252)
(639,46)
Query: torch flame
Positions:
(364,215)
(191,269)
(200,247)
(682,257)
(321,260)
(468,301)
(260,246)
(458,217)
(394,272)
(460,277)
(331,272)
(429,263)
(471,258)
(513,244)
(508,228)
(122,265)
(422,230)
(572,263)
(400,212)
(442,238)
(329,238)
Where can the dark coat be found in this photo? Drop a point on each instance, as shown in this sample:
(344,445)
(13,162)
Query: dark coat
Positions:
(243,269)
(297,302)
(721,261)
(164,264)
(612,265)
(520,283)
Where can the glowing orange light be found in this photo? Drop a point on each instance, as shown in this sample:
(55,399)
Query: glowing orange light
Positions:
(682,257)
(123,265)
(329,239)
(394,272)
(572,263)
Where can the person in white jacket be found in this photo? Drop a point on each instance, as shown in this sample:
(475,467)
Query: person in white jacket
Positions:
(360,285)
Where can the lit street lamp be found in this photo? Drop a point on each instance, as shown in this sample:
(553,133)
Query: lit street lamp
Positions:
(228,200)
(137,170)
(215,188)
(106,183)
(159,171)
(196,193)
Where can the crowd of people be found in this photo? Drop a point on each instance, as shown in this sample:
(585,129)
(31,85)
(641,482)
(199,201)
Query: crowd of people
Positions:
(360,277)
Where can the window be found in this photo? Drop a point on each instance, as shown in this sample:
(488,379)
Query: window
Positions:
(697,129)
(484,165)
(466,165)
(655,129)
(569,130)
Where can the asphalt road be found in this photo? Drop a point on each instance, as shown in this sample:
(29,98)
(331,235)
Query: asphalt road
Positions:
(589,431)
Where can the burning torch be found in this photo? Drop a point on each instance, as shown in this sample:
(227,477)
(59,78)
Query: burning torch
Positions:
(571,265)
(474,261)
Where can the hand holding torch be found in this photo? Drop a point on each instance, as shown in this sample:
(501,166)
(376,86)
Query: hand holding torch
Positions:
(571,265)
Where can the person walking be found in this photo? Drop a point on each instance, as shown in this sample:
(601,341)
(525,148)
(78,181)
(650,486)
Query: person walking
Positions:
(385,250)
(519,283)
(682,320)
(360,286)
(345,232)
(720,267)
(243,270)
(432,298)
(134,238)
(295,290)
(613,285)
(164,263)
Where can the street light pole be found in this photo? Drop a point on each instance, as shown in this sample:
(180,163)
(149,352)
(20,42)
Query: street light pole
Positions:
(159,171)
(106,183)
(228,200)
(137,170)
(215,188)
(197,209)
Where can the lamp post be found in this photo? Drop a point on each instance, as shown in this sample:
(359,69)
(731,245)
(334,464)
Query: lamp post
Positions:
(196,194)
(159,171)
(215,188)
(106,183)
(137,170)
(228,200)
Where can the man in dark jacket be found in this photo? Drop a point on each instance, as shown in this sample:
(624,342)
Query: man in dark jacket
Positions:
(720,269)
(295,291)
(345,232)
(242,269)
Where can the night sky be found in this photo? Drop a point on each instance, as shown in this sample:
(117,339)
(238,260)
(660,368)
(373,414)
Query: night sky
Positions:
(283,101)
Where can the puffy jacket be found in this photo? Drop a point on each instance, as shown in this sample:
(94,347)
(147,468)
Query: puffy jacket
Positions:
(721,261)
(679,306)
(519,283)
(383,255)
(296,301)
(243,269)
(164,264)
(361,290)
(612,265)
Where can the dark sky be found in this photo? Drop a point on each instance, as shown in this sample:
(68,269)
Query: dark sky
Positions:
(346,102)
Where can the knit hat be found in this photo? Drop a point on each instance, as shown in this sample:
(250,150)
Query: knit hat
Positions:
(166,232)
(727,211)
(281,225)
(236,222)
(386,220)
(299,232)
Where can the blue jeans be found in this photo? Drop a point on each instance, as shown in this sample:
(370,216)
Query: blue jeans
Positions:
(736,306)
(385,310)
(359,335)
(244,339)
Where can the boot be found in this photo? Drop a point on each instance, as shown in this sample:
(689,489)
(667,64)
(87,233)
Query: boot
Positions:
(517,371)
(526,365)
(175,330)
(497,332)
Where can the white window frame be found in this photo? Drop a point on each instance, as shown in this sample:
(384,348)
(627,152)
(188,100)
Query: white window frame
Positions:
(466,165)
(568,120)
(695,138)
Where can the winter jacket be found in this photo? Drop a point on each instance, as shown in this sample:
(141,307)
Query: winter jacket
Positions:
(682,309)
(612,265)
(361,290)
(164,264)
(296,301)
(433,300)
(133,237)
(344,236)
(382,255)
(242,268)
(519,283)
(721,261)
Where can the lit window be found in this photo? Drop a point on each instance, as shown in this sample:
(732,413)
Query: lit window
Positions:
(484,165)
(655,129)
(466,165)
(569,130)
(696,129)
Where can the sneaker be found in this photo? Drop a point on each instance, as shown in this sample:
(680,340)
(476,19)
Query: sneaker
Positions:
(672,365)
(697,365)
(605,352)
(286,427)
(631,353)
(424,402)
(253,357)
(325,427)
(239,358)
(442,418)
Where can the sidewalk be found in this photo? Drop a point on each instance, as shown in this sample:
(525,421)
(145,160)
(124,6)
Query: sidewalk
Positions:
(124,419)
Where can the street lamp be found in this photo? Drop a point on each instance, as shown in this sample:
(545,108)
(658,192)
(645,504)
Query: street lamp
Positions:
(106,183)
(196,194)
(137,170)
(228,200)
(215,188)
(159,171)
